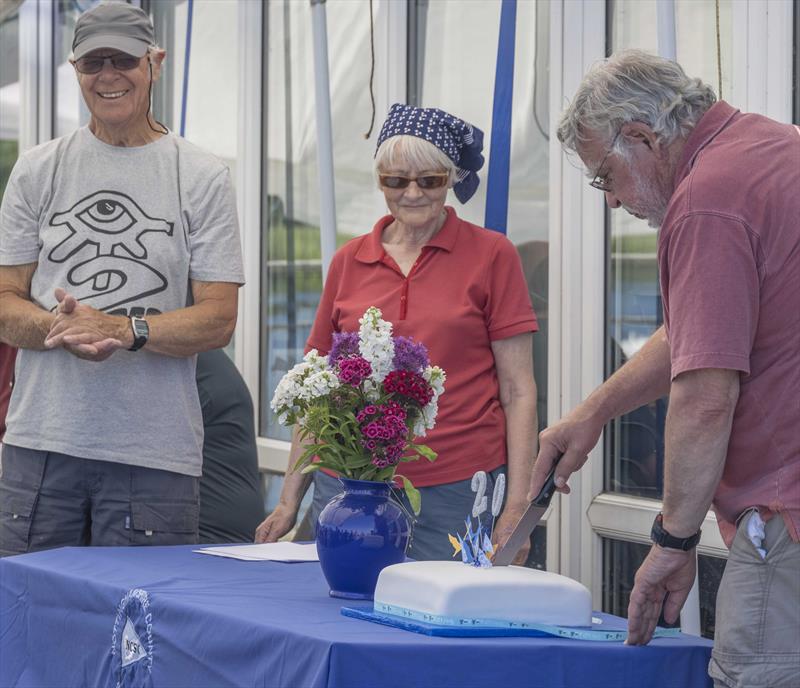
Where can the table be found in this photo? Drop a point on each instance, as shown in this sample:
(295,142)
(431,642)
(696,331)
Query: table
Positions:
(208,621)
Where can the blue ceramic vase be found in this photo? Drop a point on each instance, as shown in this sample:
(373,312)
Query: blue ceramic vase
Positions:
(359,533)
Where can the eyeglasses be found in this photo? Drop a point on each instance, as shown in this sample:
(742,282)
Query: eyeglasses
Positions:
(428,181)
(119,61)
(599,181)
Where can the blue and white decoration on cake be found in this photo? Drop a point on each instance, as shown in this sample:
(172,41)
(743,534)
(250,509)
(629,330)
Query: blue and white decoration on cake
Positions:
(476,546)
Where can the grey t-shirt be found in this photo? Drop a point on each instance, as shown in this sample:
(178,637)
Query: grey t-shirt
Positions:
(124,230)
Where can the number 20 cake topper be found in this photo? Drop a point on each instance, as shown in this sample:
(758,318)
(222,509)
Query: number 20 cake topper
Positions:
(476,544)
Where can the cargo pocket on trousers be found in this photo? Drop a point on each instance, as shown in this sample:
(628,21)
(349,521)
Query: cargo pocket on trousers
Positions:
(164,523)
(16,513)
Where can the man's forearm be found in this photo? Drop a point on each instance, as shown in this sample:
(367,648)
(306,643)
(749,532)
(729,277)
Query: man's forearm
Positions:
(644,378)
(187,331)
(23,324)
(698,426)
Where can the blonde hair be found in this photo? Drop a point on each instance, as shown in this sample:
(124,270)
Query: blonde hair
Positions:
(414,153)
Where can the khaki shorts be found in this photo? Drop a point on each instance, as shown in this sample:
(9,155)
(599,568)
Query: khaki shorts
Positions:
(757,639)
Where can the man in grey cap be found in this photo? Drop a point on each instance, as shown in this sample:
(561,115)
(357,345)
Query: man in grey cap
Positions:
(119,262)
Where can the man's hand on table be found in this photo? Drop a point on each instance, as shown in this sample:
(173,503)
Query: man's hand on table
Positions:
(666,573)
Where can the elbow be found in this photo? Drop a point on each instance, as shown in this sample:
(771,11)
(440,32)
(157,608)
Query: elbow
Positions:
(709,396)
(226,333)
(518,392)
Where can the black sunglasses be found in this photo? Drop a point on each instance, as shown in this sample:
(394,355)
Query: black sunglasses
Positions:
(120,61)
(428,181)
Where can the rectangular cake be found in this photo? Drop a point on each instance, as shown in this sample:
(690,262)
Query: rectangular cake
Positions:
(453,593)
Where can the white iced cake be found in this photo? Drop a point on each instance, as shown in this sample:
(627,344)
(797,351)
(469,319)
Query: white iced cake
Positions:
(453,593)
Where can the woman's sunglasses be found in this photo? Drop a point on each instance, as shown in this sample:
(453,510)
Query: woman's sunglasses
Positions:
(94,65)
(428,181)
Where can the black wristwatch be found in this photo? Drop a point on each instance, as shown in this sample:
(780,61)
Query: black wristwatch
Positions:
(141,331)
(664,539)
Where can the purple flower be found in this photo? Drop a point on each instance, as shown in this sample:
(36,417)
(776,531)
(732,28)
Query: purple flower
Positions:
(343,344)
(409,356)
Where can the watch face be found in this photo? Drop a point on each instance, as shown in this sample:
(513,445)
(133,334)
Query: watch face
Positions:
(140,327)
(141,331)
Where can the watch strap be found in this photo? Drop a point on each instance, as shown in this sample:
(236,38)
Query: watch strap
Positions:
(663,538)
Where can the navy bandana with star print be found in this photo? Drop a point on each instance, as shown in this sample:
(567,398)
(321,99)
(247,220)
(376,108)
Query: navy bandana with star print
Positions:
(457,139)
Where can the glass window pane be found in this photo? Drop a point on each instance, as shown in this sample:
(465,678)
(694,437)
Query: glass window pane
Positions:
(621,559)
(709,571)
(70,111)
(443,75)
(634,444)
(292,281)
(9,93)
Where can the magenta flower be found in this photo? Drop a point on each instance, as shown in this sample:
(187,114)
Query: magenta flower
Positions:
(353,370)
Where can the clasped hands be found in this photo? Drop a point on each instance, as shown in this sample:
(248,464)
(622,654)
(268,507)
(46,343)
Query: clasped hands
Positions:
(84,331)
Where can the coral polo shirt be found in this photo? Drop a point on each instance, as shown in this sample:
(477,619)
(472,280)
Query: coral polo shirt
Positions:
(466,290)
(729,261)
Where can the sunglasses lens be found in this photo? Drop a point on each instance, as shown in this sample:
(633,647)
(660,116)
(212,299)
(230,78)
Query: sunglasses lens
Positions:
(89,65)
(393,182)
(432,182)
(125,62)
(93,65)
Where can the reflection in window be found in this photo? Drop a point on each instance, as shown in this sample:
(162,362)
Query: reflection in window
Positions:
(291,279)
(462,82)
(709,571)
(9,92)
(621,559)
(634,443)
(69,109)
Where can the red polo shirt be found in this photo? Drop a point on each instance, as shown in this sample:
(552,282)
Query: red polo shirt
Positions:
(8,355)
(465,291)
(729,260)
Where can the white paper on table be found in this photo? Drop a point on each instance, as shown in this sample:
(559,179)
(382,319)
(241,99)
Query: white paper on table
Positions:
(288,552)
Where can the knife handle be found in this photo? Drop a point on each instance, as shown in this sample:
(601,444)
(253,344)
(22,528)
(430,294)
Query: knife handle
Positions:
(545,495)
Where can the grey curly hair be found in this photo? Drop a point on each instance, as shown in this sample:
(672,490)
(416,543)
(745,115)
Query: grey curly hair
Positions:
(634,86)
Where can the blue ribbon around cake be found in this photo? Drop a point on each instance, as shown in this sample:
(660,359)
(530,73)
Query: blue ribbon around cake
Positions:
(604,628)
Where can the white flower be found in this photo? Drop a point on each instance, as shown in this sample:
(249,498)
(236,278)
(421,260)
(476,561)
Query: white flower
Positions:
(435,377)
(376,344)
(309,379)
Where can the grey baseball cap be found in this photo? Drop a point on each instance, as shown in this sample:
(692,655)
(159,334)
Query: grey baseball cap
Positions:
(115,25)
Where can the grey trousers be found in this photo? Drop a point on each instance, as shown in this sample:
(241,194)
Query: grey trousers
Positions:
(53,500)
(444,508)
(757,639)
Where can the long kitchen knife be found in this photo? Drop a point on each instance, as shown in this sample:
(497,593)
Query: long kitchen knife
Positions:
(530,519)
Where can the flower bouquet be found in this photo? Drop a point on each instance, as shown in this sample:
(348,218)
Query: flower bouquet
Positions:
(363,404)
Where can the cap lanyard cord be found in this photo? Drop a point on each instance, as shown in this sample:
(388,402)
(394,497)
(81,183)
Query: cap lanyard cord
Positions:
(164,130)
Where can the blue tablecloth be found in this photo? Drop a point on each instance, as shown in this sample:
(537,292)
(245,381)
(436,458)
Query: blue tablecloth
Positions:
(204,621)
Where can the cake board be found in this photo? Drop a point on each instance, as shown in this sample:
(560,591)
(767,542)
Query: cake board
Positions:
(605,627)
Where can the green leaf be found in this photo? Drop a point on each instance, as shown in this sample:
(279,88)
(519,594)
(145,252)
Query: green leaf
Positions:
(424,450)
(414,497)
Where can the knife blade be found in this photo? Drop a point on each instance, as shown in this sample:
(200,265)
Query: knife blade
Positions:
(529,520)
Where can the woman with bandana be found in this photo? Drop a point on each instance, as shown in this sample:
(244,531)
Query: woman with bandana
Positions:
(457,288)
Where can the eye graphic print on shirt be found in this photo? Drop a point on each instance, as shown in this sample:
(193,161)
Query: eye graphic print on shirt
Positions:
(112,226)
